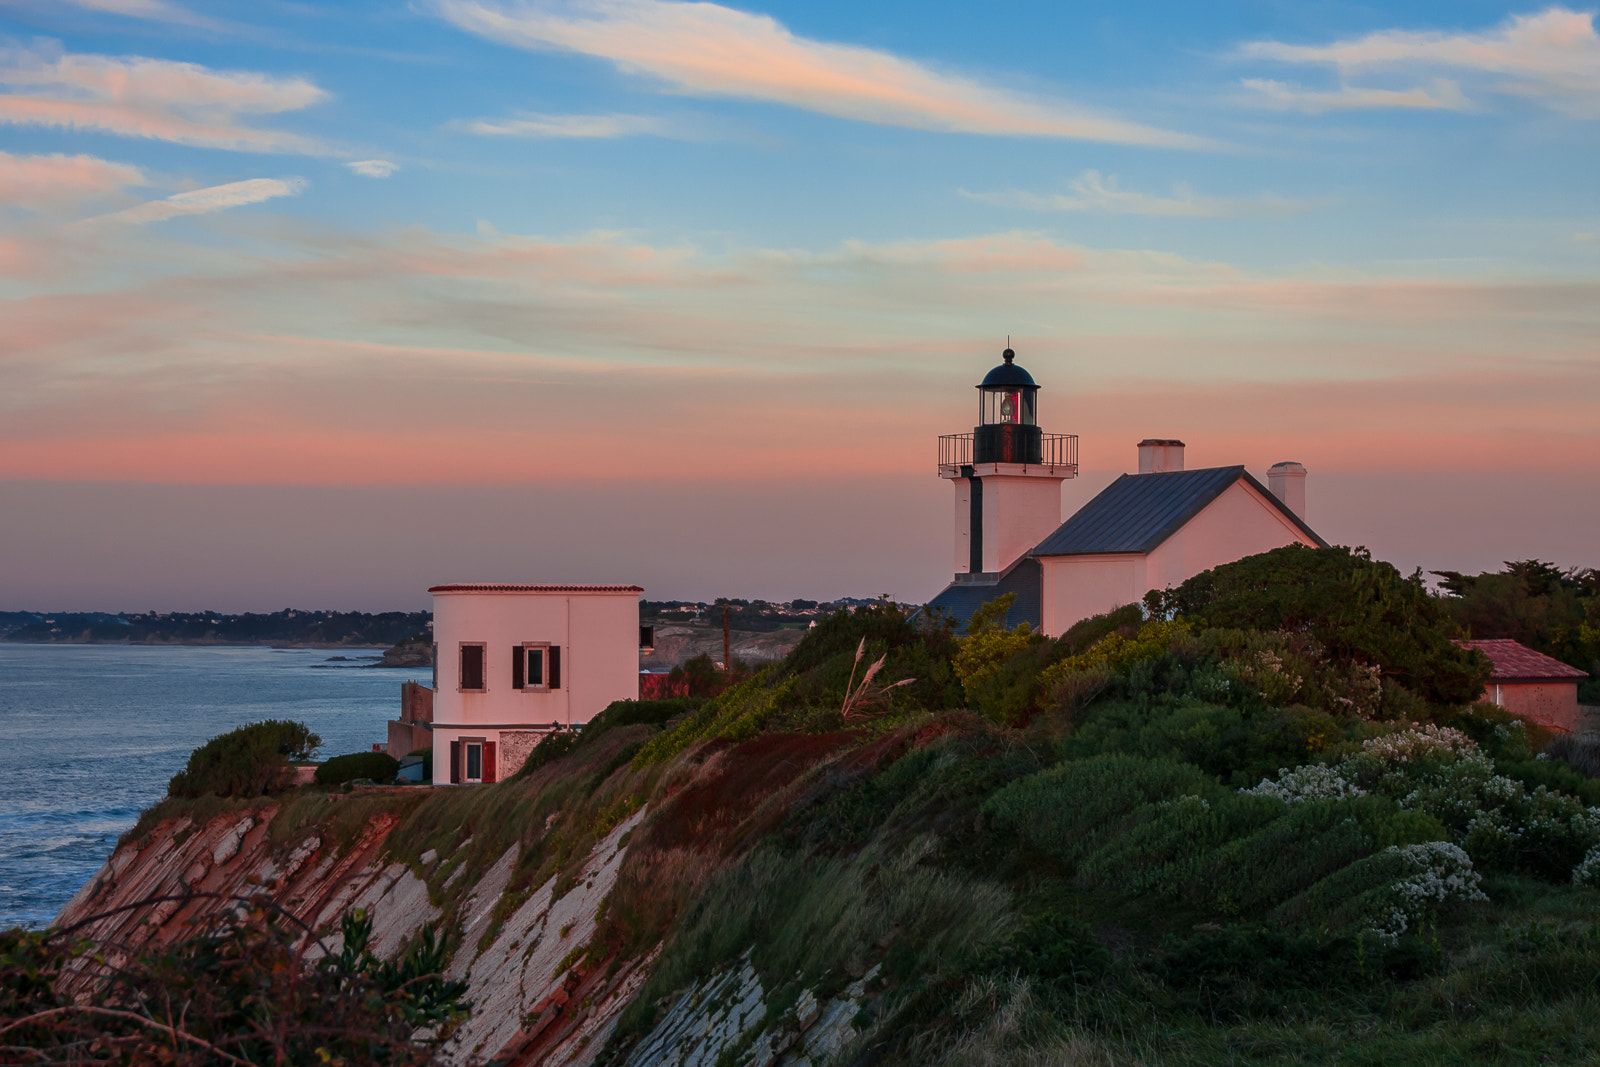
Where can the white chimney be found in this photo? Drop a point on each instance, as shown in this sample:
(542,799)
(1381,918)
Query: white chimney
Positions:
(1287,480)
(1158,455)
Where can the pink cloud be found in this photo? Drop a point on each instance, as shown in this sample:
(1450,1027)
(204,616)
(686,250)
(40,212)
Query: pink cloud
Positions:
(1552,56)
(59,180)
(711,50)
(154,98)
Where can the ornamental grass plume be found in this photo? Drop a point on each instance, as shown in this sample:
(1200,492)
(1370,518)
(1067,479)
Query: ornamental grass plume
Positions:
(857,697)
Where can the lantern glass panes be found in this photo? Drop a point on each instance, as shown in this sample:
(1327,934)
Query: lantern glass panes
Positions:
(1010,404)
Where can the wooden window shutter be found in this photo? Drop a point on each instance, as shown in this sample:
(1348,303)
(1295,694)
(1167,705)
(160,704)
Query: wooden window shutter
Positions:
(517,656)
(489,768)
(455,762)
(471,677)
(555,666)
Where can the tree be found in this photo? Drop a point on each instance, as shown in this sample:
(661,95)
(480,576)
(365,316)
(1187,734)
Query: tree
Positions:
(1544,607)
(1357,609)
(248,762)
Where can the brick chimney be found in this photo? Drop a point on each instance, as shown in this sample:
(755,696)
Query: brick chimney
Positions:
(1158,455)
(1287,480)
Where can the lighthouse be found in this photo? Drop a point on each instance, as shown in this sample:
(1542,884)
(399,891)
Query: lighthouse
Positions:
(1150,530)
(1007,475)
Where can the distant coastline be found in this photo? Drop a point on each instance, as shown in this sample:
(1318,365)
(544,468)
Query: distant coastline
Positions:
(290,628)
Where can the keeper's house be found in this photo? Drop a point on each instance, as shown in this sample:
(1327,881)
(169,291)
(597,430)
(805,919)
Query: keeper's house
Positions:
(518,661)
(1531,684)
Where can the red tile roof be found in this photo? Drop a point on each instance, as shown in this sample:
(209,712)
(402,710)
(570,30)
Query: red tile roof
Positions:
(1514,662)
(472,587)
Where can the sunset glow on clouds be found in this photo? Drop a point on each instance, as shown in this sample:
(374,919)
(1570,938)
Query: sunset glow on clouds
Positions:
(691,251)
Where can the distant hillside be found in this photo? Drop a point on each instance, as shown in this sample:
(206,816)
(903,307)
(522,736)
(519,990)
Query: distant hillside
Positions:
(313,629)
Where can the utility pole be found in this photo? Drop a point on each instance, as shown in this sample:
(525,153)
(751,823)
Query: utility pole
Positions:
(727,647)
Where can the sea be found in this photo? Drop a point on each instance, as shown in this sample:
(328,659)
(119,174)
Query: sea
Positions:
(90,735)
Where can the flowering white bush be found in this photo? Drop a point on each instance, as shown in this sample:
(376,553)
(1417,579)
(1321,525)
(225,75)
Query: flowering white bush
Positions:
(1314,781)
(1421,742)
(1588,872)
(1440,873)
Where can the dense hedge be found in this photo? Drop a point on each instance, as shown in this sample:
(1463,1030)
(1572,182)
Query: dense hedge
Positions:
(374,766)
(248,762)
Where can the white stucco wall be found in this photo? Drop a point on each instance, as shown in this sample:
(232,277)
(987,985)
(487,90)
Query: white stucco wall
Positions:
(598,633)
(1018,513)
(1239,522)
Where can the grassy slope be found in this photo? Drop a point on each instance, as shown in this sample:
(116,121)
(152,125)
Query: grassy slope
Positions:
(1020,911)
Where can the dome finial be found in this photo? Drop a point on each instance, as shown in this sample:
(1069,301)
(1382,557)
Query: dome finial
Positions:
(1008,355)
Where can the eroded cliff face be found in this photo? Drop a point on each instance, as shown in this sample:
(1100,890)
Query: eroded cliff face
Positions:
(530,1004)
(553,893)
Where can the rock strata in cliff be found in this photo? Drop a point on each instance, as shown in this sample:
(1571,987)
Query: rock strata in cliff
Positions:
(535,999)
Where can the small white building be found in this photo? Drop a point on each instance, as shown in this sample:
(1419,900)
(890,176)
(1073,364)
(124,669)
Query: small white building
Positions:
(517,661)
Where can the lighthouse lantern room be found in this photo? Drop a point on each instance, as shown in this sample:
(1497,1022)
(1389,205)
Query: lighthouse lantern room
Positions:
(1007,475)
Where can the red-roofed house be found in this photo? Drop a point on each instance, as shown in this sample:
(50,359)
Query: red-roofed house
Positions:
(1531,684)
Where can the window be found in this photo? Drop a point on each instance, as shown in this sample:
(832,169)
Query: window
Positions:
(470,680)
(536,667)
(474,762)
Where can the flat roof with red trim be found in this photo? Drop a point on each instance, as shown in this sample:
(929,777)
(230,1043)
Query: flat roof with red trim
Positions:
(471,587)
(1516,662)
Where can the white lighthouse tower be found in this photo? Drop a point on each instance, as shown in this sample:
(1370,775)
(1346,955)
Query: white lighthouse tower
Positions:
(1007,475)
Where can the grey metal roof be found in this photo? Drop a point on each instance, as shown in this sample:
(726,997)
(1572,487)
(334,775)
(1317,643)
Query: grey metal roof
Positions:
(960,599)
(1137,512)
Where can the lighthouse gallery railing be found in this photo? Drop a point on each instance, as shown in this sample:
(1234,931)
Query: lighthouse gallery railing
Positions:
(1056,450)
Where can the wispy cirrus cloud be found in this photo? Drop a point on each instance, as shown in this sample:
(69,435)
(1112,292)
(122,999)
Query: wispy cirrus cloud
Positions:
(711,50)
(372,168)
(578,126)
(132,96)
(149,10)
(49,181)
(1552,57)
(205,201)
(1442,95)
(1104,195)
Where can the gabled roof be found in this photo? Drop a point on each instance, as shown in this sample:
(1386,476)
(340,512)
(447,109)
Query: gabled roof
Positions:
(960,599)
(1137,512)
(1516,662)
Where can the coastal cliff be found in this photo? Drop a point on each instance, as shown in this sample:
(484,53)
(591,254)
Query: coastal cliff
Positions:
(522,877)
(1151,841)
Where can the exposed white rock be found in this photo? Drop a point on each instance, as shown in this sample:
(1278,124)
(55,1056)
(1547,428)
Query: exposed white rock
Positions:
(522,967)
(228,847)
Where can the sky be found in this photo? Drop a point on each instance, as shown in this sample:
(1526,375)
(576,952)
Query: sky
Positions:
(317,305)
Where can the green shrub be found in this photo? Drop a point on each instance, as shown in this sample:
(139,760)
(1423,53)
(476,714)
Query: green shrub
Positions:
(373,766)
(1072,809)
(1239,746)
(1053,947)
(737,714)
(1386,893)
(1357,610)
(550,749)
(248,762)
(923,649)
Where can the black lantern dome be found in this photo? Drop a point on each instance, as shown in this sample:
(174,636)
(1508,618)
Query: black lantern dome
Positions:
(1007,374)
(1008,424)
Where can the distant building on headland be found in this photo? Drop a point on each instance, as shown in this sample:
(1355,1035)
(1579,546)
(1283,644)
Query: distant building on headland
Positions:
(1151,530)
(1531,684)
(515,663)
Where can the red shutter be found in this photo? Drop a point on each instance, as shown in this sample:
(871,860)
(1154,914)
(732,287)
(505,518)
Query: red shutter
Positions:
(488,762)
(516,666)
(555,666)
(455,762)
